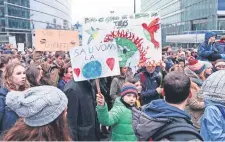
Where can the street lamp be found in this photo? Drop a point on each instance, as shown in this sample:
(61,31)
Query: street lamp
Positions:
(134,6)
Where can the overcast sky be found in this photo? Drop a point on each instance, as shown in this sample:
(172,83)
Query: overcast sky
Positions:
(90,8)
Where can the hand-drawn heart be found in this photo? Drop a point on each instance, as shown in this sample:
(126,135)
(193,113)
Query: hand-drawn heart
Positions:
(77,71)
(111,63)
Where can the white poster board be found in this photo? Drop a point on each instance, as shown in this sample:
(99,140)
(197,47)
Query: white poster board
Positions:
(94,61)
(12,40)
(21,47)
(138,36)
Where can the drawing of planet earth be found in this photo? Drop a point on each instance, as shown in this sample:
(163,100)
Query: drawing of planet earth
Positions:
(92,69)
(128,52)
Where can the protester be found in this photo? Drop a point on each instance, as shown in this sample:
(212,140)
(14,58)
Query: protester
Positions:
(220,46)
(4,60)
(120,116)
(194,53)
(14,79)
(34,74)
(137,83)
(81,113)
(65,76)
(207,50)
(43,115)
(56,67)
(117,83)
(212,91)
(166,120)
(220,65)
(151,81)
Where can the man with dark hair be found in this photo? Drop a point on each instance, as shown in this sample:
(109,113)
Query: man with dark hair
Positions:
(166,119)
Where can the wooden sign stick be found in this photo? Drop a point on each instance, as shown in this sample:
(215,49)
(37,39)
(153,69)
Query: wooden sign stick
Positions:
(98,86)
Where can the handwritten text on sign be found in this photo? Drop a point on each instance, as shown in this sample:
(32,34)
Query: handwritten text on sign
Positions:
(56,40)
(94,61)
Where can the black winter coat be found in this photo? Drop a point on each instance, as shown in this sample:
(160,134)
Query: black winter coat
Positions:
(81,114)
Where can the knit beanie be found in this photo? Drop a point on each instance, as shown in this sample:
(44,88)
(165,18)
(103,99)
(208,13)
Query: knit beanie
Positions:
(38,106)
(213,87)
(195,65)
(128,88)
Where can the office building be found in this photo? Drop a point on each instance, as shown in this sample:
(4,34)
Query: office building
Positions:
(187,18)
(15,20)
(50,14)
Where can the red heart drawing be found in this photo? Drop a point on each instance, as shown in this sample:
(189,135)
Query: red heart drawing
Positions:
(111,63)
(77,71)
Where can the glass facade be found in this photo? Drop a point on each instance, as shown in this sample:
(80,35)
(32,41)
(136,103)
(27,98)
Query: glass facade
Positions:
(179,16)
(53,14)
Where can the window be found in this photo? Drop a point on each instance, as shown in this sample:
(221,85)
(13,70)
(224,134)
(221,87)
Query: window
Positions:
(18,23)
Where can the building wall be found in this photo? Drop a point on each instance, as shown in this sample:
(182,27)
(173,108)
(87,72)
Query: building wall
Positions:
(179,16)
(55,14)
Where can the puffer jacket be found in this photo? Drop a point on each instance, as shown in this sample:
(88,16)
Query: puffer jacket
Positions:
(120,118)
(7,117)
(205,50)
(195,106)
(116,85)
(220,46)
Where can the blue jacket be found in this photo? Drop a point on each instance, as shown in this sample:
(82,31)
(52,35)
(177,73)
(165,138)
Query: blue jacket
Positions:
(61,84)
(160,109)
(7,117)
(213,122)
(149,81)
(220,46)
(205,49)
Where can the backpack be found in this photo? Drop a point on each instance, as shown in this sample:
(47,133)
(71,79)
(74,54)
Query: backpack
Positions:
(173,129)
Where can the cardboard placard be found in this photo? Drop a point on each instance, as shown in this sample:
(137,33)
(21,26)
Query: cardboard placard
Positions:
(55,40)
(21,47)
(94,61)
(138,36)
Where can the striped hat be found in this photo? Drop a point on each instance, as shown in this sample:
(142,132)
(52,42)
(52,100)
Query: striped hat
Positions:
(128,88)
(195,65)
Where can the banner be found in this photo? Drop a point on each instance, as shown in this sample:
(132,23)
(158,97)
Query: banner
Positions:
(12,40)
(94,61)
(21,47)
(138,36)
(55,40)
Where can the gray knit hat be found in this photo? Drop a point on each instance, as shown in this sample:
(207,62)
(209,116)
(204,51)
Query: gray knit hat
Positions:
(213,87)
(38,106)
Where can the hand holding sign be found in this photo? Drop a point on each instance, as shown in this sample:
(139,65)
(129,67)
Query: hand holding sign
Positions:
(100,99)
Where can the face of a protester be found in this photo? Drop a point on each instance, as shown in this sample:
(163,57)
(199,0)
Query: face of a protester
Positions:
(220,67)
(130,99)
(181,64)
(124,70)
(138,86)
(19,76)
(60,60)
(40,74)
(69,73)
(151,68)
(212,39)
(208,71)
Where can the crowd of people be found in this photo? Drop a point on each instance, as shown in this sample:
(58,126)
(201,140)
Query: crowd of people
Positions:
(180,98)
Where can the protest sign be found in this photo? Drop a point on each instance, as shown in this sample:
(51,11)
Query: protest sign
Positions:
(94,61)
(55,40)
(21,47)
(138,36)
(12,40)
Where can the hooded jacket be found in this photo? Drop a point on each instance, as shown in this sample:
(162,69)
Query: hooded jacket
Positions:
(157,118)
(120,118)
(213,122)
(206,49)
(220,46)
(149,84)
(7,117)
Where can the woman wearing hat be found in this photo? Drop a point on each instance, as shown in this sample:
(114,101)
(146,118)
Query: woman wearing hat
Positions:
(43,115)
